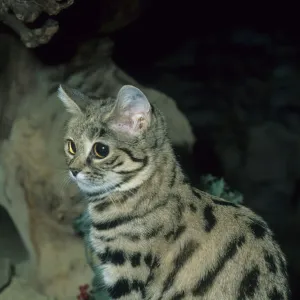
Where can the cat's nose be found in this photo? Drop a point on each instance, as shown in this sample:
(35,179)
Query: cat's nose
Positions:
(74,172)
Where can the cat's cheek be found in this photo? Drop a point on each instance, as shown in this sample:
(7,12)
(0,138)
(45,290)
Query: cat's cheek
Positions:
(81,177)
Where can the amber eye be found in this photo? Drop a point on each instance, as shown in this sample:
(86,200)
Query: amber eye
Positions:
(71,147)
(100,150)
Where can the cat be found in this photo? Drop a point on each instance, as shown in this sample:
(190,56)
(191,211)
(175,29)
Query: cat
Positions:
(155,235)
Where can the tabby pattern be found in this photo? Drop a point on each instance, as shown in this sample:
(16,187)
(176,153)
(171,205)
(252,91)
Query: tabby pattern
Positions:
(156,236)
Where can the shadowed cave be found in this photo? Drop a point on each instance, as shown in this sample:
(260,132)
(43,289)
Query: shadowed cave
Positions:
(14,248)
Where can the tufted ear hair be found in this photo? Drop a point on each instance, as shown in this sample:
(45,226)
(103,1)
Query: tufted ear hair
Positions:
(132,112)
(74,101)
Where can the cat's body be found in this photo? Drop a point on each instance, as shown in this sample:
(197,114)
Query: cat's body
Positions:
(157,237)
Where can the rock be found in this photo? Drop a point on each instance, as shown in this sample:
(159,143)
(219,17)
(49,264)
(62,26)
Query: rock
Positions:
(20,290)
(109,16)
(5,273)
(117,14)
(16,14)
(34,186)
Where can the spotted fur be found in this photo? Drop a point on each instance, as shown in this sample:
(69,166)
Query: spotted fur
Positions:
(155,235)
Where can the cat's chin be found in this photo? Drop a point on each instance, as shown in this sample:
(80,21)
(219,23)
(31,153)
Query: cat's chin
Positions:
(87,187)
(83,183)
(99,188)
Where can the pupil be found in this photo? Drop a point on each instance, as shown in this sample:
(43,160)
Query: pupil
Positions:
(101,149)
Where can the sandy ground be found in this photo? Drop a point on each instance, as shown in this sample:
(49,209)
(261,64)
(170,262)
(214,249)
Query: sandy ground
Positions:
(19,290)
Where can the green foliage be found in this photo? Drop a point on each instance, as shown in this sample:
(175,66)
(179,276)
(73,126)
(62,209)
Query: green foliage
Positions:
(218,187)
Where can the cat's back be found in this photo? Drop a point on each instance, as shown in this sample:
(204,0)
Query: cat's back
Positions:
(236,253)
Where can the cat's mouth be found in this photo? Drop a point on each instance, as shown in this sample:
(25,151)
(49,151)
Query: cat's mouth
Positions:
(91,188)
(87,186)
(82,180)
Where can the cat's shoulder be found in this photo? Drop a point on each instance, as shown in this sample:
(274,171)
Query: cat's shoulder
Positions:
(229,213)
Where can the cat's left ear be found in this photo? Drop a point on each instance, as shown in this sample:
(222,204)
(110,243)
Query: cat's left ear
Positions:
(74,101)
(132,112)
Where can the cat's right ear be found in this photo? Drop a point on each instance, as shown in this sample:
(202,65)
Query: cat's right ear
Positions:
(74,101)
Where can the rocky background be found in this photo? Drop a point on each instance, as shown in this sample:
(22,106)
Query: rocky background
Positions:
(227,78)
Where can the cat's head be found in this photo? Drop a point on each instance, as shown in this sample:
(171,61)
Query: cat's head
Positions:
(111,144)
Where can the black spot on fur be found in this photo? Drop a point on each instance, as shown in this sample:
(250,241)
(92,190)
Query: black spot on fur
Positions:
(178,296)
(169,235)
(209,217)
(249,284)
(130,154)
(180,230)
(270,262)
(175,234)
(184,255)
(228,253)
(258,228)
(196,193)
(110,224)
(193,207)
(154,232)
(275,295)
(100,207)
(135,259)
(144,161)
(148,259)
(144,164)
(224,203)
(119,289)
(116,257)
(153,265)
(139,286)
(150,278)
(129,193)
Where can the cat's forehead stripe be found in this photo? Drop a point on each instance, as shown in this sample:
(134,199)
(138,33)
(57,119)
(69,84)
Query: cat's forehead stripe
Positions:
(88,143)
(95,132)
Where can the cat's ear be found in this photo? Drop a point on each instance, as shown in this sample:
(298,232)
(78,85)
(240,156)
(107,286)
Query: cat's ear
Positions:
(74,101)
(132,112)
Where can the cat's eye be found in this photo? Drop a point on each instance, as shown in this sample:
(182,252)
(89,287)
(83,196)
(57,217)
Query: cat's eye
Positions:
(100,150)
(71,147)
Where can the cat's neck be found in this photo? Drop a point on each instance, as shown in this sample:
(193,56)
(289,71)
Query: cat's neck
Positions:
(166,178)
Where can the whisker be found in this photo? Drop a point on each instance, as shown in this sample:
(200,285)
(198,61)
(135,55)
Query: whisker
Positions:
(63,184)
